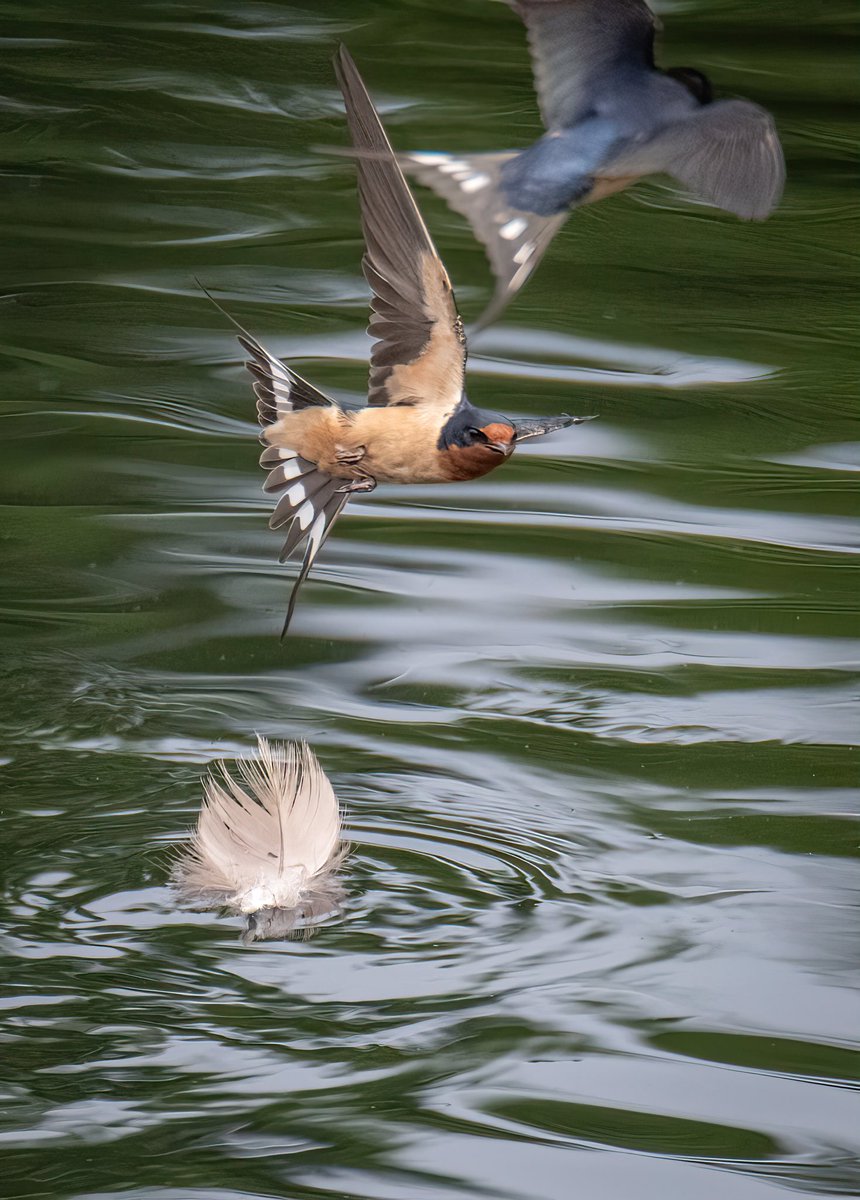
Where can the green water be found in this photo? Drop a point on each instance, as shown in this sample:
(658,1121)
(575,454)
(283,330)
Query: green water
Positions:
(592,719)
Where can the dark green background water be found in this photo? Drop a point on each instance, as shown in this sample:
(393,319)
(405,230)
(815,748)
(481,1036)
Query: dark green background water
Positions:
(591,718)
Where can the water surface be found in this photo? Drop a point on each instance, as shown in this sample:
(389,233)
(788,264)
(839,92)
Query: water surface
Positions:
(592,719)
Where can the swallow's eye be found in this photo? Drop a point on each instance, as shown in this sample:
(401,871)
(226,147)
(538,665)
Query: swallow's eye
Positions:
(478,435)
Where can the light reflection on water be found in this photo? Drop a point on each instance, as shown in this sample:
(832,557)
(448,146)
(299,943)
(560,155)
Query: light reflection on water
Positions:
(593,720)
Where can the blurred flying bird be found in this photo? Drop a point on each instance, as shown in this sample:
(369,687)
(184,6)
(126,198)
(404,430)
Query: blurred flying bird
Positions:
(267,843)
(418,426)
(612,117)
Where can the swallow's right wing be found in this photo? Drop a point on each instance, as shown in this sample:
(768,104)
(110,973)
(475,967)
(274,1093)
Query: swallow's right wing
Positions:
(576,43)
(419,355)
(728,153)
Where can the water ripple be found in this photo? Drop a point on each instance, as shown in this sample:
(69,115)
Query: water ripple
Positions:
(591,719)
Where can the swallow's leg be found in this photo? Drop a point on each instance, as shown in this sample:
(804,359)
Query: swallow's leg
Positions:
(364,483)
(349,457)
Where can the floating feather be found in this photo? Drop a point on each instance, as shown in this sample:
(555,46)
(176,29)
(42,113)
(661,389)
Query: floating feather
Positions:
(267,843)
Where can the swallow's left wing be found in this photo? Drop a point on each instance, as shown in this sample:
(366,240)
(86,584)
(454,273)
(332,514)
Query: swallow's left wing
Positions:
(727,152)
(419,354)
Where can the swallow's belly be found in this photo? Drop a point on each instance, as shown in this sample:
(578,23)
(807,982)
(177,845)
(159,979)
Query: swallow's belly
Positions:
(400,444)
(402,465)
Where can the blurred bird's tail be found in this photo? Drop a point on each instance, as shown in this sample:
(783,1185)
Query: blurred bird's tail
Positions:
(515,241)
(267,843)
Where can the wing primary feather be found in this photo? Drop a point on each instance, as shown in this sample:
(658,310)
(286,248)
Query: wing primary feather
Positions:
(267,844)
(419,350)
(540,426)
(727,153)
(514,240)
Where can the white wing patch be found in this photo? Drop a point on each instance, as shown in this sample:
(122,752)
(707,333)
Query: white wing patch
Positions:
(474,183)
(460,170)
(513,229)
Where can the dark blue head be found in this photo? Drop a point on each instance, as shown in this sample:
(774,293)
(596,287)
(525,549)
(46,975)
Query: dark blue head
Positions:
(475,428)
(474,442)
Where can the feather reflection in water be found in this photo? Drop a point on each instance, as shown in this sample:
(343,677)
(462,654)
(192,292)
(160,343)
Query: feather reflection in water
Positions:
(267,843)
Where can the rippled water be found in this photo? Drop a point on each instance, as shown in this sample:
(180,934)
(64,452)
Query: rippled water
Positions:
(593,719)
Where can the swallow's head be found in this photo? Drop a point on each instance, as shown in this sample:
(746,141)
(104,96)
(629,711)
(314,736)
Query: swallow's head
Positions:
(494,436)
(695,82)
(476,429)
(477,441)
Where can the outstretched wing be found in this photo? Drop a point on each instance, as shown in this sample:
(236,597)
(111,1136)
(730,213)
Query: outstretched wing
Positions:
(728,153)
(576,43)
(419,355)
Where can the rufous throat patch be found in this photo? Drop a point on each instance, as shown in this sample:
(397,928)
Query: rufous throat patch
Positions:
(498,432)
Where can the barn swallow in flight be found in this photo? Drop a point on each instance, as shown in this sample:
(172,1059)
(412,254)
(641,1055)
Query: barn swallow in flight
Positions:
(612,117)
(418,425)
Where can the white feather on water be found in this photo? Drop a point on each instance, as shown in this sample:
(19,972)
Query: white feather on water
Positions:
(267,842)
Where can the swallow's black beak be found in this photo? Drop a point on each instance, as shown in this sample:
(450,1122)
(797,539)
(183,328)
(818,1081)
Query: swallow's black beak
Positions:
(542,425)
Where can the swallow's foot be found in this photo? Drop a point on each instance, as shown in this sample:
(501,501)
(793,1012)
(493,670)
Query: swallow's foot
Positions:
(365,483)
(349,456)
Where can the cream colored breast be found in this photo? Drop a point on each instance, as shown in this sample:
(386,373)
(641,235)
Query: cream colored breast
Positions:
(401,444)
